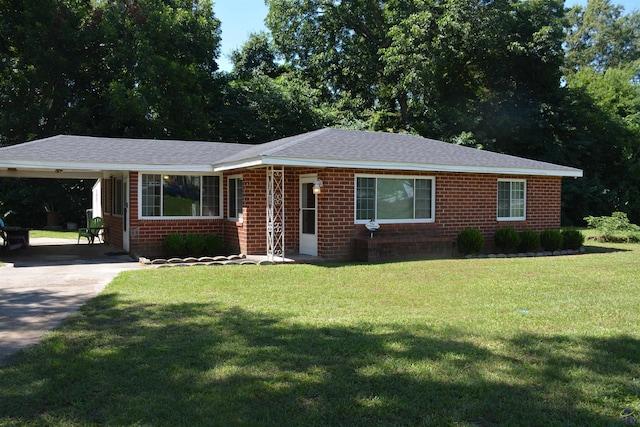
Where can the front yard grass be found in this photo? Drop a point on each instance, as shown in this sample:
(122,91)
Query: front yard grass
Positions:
(54,234)
(532,341)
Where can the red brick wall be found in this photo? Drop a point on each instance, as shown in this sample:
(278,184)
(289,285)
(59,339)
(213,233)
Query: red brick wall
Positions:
(112,223)
(462,200)
(250,235)
(146,236)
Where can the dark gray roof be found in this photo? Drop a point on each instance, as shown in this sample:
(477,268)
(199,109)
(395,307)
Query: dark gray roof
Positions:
(338,147)
(94,150)
(322,148)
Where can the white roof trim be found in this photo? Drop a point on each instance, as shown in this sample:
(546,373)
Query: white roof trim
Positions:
(323,163)
(74,166)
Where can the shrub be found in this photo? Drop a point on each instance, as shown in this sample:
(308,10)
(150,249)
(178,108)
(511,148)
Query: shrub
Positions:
(572,239)
(506,239)
(194,244)
(174,244)
(551,240)
(529,241)
(616,227)
(470,241)
(212,244)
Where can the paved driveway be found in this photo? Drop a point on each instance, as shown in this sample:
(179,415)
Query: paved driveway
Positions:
(52,279)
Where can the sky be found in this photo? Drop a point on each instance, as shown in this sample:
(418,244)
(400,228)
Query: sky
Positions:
(239,18)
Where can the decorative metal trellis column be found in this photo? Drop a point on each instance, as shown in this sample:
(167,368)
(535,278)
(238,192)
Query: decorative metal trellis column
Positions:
(275,213)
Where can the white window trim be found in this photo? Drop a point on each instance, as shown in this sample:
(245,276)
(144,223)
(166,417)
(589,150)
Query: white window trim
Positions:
(229,217)
(107,199)
(511,218)
(114,198)
(395,221)
(169,218)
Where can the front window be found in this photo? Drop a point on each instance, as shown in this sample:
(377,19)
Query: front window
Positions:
(179,195)
(107,195)
(395,199)
(235,198)
(511,199)
(118,196)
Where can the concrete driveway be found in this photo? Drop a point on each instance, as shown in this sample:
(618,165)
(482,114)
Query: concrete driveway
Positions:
(42,285)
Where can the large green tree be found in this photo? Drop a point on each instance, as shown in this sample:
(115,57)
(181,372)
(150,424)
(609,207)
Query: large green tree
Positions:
(43,50)
(602,69)
(154,75)
(139,68)
(114,68)
(601,36)
(256,57)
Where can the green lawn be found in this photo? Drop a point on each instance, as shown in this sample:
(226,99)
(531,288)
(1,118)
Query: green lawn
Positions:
(53,234)
(481,342)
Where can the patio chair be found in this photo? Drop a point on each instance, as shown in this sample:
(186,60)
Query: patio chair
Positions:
(12,238)
(94,229)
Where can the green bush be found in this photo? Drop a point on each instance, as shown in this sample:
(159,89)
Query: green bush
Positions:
(506,239)
(551,240)
(572,239)
(614,228)
(470,241)
(194,244)
(212,244)
(529,241)
(174,244)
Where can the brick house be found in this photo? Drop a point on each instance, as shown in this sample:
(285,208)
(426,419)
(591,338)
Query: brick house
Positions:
(308,194)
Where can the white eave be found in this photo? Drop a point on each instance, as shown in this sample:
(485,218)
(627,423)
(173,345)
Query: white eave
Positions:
(323,163)
(92,167)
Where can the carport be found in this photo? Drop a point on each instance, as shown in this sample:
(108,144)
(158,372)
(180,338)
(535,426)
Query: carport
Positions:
(29,160)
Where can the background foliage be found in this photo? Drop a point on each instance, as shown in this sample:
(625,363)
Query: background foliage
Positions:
(528,78)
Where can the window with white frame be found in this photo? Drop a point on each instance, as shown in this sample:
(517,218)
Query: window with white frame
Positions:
(164,195)
(235,198)
(106,195)
(395,199)
(512,199)
(118,196)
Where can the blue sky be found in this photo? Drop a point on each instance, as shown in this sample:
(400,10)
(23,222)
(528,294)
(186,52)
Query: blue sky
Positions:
(240,18)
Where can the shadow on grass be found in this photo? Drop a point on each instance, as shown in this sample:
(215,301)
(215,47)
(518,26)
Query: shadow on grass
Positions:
(592,249)
(120,363)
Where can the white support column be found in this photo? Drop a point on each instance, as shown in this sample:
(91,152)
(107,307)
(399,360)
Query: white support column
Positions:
(275,213)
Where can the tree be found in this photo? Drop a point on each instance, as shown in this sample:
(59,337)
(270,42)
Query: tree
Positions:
(42,49)
(335,44)
(156,72)
(432,67)
(261,109)
(256,57)
(605,140)
(139,68)
(112,68)
(601,36)
(602,67)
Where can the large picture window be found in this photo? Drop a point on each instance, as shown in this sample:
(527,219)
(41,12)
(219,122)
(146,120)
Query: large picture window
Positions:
(179,195)
(235,198)
(395,199)
(511,199)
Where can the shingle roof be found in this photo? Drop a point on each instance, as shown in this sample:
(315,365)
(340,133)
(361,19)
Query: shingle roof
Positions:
(322,148)
(84,149)
(338,147)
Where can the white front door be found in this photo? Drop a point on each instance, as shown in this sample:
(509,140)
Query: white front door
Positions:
(125,212)
(308,217)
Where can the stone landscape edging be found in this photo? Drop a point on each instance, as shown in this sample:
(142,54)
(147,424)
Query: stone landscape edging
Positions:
(529,254)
